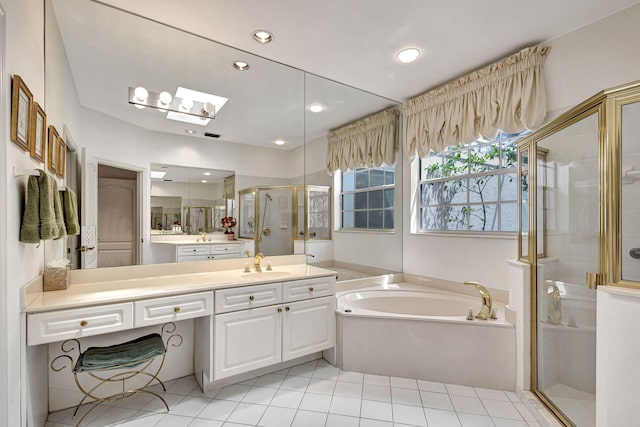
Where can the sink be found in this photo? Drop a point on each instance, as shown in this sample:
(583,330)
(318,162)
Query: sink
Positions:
(266,275)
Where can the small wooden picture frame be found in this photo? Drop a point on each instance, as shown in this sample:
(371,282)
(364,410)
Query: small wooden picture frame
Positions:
(52,149)
(62,154)
(38,133)
(21,106)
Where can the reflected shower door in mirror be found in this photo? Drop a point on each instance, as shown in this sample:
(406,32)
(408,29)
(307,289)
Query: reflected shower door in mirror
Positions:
(630,198)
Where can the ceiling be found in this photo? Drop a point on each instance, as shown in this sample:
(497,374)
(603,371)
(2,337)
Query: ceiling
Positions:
(353,42)
(189,175)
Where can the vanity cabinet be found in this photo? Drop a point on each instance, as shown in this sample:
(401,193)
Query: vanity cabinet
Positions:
(253,337)
(205,252)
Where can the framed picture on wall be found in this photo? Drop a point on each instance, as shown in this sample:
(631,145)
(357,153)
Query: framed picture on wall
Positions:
(52,149)
(62,153)
(21,105)
(38,133)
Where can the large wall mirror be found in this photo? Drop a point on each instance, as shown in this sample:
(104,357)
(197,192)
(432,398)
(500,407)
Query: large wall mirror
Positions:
(94,55)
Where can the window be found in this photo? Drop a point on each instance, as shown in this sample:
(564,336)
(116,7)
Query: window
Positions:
(471,187)
(367,198)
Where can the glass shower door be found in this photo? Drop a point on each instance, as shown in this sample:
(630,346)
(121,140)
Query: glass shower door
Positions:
(568,225)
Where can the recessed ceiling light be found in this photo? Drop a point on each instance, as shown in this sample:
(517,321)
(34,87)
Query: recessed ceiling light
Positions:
(157,174)
(279,142)
(408,55)
(241,65)
(262,36)
(204,181)
(316,108)
(207,173)
(190,131)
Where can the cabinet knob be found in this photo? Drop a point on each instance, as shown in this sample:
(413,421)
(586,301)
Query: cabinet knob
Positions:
(310,289)
(251,297)
(287,308)
(279,309)
(83,323)
(176,309)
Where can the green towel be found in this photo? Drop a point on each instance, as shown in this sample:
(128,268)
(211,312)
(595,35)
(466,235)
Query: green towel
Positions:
(48,227)
(130,353)
(70,204)
(59,214)
(30,229)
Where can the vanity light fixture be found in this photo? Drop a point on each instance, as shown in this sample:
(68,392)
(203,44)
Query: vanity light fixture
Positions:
(316,108)
(279,142)
(408,55)
(241,65)
(262,36)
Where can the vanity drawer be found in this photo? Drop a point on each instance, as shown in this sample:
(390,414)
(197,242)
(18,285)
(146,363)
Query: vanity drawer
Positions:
(168,309)
(193,250)
(248,297)
(297,290)
(225,249)
(77,323)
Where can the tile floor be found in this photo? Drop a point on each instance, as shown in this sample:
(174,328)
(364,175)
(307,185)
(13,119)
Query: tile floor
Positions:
(309,395)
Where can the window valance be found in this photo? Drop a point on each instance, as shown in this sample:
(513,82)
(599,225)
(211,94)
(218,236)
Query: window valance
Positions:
(507,95)
(370,142)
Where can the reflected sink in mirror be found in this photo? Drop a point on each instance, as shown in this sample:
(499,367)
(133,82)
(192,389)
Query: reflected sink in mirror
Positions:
(264,275)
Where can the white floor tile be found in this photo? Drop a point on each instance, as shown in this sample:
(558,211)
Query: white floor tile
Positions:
(316,402)
(218,410)
(301,371)
(377,379)
(156,404)
(334,420)
(486,393)
(345,406)
(251,381)
(348,389)
(501,409)
(441,418)
(326,373)
(364,422)
(309,419)
(233,425)
(137,401)
(436,400)
(351,377)
(468,405)
(524,412)
(461,390)
(106,415)
(295,383)
(277,417)
(322,362)
(405,396)
(247,413)
(376,392)
(233,392)
(202,422)
(190,406)
(512,396)
(287,399)
(142,419)
(259,395)
(404,383)
(471,420)
(376,410)
(184,385)
(170,420)
(503,422)
(406,414)
(432,386)
(270,380)
(320,386)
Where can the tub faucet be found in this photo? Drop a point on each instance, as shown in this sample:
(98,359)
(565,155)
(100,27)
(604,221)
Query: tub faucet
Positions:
(256,261)
(554,309)
(485,311)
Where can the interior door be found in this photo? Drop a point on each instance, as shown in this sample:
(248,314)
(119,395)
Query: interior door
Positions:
(116,222)
(89,211)
(568,210)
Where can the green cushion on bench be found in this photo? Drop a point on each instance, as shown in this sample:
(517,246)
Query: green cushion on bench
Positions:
(130,353)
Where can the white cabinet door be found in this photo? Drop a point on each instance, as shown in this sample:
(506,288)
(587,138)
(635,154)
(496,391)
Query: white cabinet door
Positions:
(247,340)
(308,326)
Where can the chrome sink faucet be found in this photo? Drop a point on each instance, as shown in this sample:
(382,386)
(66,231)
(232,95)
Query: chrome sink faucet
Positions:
(256,261)
(485,311)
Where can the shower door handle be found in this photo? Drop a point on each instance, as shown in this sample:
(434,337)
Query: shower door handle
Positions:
(593,280)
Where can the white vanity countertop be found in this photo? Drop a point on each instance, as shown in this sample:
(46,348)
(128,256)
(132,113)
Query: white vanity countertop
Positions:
(123,290)
(194,243)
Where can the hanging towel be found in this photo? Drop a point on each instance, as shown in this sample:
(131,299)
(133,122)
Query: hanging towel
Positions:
(30,230)
(59,213)
(70,205)
(48,227)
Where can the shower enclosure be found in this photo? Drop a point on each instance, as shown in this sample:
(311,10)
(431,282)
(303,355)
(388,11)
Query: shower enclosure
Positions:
(577,179)
(276,216)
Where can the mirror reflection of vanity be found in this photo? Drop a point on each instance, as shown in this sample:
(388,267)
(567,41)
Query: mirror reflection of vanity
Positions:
(109,50)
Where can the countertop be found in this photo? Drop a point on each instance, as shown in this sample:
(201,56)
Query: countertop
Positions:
(192,243)
(124,290)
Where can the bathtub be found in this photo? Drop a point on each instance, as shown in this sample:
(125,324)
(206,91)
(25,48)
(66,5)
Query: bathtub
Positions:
(408,330)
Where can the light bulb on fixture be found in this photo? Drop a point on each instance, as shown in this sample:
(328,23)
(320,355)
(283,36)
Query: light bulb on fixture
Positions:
(262,36)
(207,109)
(186,104)
(165,99)
(408,55)
(141,94)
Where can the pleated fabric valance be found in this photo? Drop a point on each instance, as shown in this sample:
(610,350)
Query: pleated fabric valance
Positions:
(370,142)
(508,95)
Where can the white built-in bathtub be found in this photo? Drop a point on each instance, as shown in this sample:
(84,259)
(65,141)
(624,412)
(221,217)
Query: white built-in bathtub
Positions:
(408,330)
